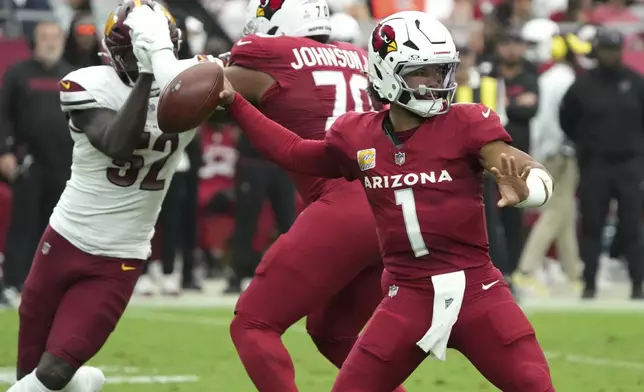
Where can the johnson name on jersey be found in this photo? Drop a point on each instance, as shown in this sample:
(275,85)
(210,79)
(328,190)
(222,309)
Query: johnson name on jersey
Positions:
(315,83)
(109,207)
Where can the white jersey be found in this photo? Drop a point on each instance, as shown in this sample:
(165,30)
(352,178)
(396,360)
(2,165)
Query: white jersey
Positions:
(110,207)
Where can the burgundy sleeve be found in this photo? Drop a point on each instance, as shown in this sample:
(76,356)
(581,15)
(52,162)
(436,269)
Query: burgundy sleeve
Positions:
(484,127)
(283,147)
(249,52)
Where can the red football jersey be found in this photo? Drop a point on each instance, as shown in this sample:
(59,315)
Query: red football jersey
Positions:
(315,84)
(426,194)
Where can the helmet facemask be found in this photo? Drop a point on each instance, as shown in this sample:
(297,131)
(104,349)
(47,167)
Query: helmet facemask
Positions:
(427,89)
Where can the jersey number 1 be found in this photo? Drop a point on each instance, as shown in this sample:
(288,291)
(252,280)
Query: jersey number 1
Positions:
(127,171)
(405,198)
(356,85)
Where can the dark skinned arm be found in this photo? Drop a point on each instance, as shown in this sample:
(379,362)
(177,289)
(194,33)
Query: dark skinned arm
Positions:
(250,84)
(117,133)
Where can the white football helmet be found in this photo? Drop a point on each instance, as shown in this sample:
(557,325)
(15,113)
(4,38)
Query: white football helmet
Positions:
(403,43)
(296,18)
(538,33)
(345,28)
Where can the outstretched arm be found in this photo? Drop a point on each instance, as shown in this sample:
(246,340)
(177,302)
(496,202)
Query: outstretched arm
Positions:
(278,144)
(523,182)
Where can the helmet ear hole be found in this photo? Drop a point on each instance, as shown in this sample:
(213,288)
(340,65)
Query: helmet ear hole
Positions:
(378,73)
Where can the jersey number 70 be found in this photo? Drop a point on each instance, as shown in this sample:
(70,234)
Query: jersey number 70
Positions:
(355,86)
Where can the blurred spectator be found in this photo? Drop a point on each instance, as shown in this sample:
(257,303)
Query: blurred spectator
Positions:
(613,11)
(514,13)
(82,47)
(256,180)
(345,28)
(539,35)
(28,27)
(35,132)
(518,93)
(603,114)
(578,11)
(382,8)
(474,87)
(195,9)
(178,223)
(556,224)
(545,8)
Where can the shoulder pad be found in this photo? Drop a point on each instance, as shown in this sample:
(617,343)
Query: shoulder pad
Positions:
(252,52)
(88,88)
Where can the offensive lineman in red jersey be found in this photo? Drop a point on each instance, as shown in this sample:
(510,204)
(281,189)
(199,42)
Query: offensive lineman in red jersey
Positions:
(421,166)
(328,266)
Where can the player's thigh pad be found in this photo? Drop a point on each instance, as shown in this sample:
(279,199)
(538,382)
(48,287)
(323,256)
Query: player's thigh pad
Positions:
(397,325)
(504,348)
(91,307)
(51,273)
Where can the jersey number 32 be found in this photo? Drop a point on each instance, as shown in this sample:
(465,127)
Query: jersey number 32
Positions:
(127,172)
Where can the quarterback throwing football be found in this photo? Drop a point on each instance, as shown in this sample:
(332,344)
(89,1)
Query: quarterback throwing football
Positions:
(421,164)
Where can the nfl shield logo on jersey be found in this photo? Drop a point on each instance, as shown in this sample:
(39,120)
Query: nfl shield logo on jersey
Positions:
(399,158)
(367,159)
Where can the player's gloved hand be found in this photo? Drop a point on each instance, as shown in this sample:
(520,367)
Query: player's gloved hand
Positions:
(143,59)
(149,29)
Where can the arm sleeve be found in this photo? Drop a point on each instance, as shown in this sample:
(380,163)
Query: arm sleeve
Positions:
(483,130)
(8,95)
(249,52)
(283,147)
(267,54)
(518,112)
(76,94)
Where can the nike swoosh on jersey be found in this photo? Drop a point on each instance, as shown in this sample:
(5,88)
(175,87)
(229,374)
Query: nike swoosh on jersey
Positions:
(126,267)
(241,43)
(487,113)
(487,286)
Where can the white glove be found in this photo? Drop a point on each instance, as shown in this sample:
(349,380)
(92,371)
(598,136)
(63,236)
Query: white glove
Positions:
(150,33)
(143,59)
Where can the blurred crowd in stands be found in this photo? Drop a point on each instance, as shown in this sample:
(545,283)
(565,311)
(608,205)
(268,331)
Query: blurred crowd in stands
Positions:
(563,75)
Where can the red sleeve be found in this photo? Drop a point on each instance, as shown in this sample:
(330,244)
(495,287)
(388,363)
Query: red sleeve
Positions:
(249,51)
(283,147)
(268,54)
(484,126)
(342,151)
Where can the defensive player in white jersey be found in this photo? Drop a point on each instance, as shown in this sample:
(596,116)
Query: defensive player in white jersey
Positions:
(93,250)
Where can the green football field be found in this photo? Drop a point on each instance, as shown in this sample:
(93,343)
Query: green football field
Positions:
(173,349)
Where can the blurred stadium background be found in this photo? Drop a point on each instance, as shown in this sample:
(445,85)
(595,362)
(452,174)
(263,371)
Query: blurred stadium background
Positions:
(174,336)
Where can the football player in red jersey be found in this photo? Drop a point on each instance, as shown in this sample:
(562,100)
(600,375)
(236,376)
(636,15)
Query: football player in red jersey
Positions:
(328,266)
(421,164)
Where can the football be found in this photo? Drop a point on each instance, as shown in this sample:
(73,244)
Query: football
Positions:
(190,98)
